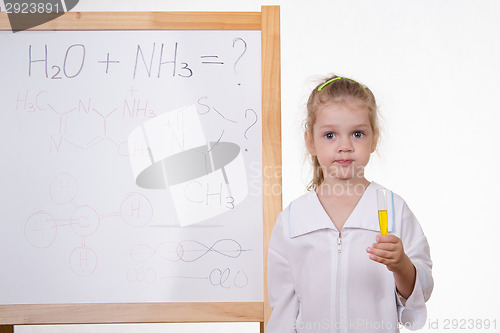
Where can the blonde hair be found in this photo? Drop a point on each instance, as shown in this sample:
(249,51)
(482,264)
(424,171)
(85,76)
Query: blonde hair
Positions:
(338,89)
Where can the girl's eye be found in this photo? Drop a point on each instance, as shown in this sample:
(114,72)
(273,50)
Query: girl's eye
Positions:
(329,135)
(358,134)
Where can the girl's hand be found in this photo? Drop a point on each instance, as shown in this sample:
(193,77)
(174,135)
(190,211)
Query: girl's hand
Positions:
(388,250)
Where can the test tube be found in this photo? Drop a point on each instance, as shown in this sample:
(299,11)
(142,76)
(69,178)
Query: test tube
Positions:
(382,211)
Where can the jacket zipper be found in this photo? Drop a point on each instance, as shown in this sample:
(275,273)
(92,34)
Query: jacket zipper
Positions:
(337,289)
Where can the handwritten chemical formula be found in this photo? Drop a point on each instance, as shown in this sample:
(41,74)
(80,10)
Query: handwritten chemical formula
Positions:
(156,60)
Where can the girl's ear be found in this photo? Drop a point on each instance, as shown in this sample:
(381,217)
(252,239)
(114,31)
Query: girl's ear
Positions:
(308,137)
(374,143)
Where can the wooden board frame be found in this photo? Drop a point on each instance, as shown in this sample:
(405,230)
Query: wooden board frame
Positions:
(268,21)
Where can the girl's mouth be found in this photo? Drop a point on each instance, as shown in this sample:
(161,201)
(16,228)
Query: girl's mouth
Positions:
(344,162)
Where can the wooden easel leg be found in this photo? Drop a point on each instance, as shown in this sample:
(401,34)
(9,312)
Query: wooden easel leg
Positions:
(6,328)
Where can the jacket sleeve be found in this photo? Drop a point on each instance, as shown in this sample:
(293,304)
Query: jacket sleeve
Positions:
(412,312)
(281,289)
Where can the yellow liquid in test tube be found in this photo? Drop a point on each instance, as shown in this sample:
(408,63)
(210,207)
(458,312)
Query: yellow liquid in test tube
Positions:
(383,220)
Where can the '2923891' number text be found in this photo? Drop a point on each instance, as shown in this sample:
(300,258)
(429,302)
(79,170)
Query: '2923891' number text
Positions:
(33,8)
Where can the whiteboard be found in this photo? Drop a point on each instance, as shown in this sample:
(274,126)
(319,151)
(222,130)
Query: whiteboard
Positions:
(78,223)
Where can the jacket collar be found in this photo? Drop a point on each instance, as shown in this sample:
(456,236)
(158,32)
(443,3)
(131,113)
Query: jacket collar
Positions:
(306,214)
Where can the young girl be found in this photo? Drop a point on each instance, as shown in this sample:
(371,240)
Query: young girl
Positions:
(330,269)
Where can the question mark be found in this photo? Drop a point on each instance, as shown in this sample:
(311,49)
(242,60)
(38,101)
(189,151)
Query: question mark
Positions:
(256,117)
(241,55)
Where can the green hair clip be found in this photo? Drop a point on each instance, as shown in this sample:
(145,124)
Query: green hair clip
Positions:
(335,79)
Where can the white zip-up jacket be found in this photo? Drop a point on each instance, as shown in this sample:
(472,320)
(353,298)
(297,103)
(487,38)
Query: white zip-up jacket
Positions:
(323,281)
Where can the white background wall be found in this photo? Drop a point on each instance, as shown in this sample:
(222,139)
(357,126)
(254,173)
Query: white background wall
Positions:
(434,67)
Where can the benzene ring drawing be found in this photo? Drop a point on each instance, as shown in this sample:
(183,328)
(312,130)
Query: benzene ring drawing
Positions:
(205,179)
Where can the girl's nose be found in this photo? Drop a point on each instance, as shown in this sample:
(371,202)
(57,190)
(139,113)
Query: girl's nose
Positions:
(345,145)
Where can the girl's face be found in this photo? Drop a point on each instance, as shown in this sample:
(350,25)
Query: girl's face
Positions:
(342,139)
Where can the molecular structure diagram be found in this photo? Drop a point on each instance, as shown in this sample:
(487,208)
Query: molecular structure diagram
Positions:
(41,228)
(96,122)
(189,251)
